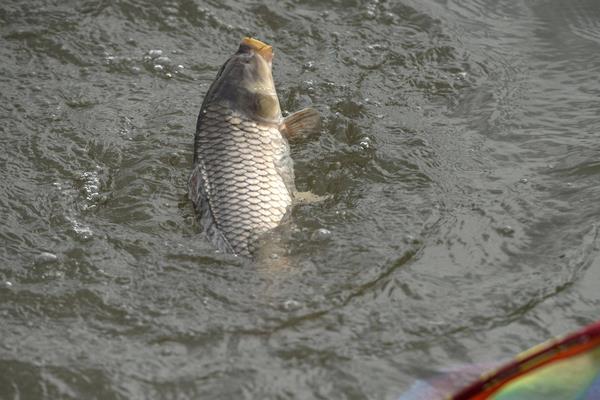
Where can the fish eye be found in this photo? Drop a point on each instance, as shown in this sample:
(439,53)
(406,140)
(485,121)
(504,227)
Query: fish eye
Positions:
(245,50)
(245,57)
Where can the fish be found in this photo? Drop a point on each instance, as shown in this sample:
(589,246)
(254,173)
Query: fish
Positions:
(242,179)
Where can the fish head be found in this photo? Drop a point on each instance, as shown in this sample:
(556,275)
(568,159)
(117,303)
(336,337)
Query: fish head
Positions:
(245,82)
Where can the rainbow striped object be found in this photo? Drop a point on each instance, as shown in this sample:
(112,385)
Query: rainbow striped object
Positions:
(562,369)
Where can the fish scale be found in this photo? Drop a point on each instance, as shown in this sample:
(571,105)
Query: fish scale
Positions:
(238,184)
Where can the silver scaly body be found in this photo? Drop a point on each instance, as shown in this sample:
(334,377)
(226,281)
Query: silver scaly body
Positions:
(242,183)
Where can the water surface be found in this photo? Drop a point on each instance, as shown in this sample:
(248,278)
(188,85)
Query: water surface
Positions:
(460,154)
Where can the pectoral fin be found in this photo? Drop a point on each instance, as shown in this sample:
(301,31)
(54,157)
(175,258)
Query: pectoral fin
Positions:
(301,124)
(309,198)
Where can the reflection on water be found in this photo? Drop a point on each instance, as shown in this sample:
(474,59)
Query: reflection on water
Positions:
(459,159)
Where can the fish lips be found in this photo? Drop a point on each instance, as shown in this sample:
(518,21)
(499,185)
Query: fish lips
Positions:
(263,49)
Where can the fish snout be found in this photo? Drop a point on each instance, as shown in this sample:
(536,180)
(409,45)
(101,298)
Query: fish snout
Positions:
(265,50)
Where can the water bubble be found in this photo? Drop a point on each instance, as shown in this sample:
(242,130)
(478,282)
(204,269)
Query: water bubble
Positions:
(410,239)
(291,305)
(91,187)
(45,258)
(155,53)
(135,70)
(158,67)
(523,180)
(321,234)
(309,66)
(83,231)
(308,86)
(377,46)
(163,60)
(53,274)
(365,142)
(168,75)
(506,230)
(8,283)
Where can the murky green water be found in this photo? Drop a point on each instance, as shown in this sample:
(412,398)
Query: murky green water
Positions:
(461,154)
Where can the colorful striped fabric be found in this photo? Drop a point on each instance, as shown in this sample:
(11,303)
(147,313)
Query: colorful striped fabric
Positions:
(567,368)
(561,369)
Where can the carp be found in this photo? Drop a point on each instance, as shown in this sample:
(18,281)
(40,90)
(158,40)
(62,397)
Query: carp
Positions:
(242,181)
